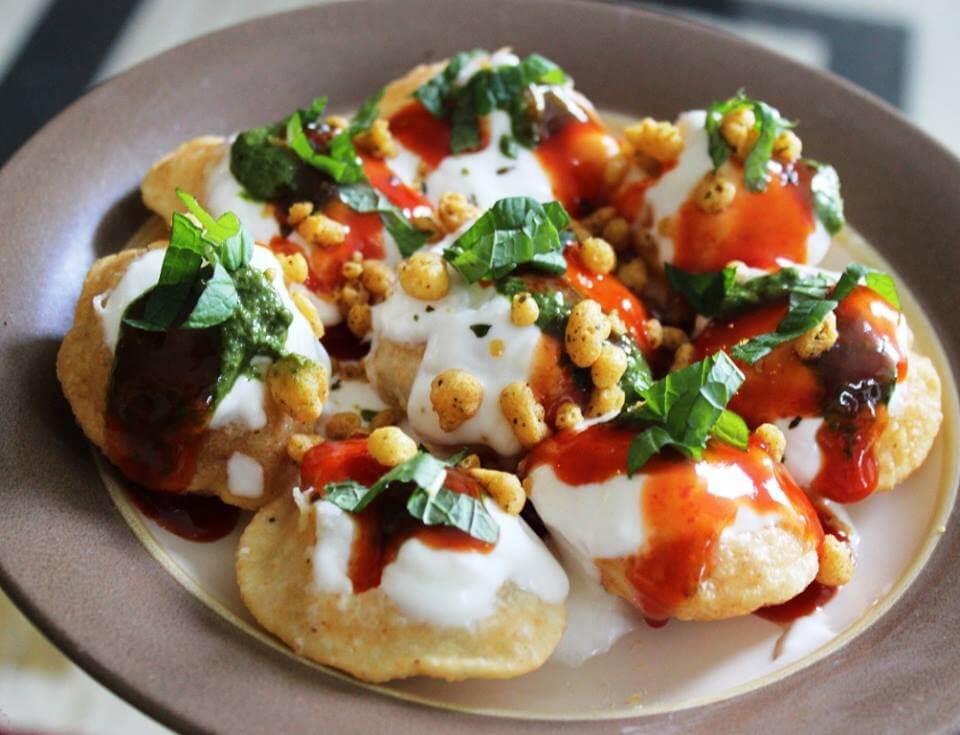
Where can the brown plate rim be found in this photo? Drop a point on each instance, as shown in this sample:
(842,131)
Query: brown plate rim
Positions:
(68,559)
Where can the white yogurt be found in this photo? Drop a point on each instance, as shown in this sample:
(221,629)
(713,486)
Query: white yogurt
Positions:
(487,176)
(602,520)
(439,586)
(451,343)
(802,457)
(244,476)
(246,408)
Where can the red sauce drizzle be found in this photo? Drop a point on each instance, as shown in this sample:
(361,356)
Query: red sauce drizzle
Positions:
(160,400)
(384,525)
(845,385)
(574,157)
(551,379)
(684,518)
(342,344)
(200,518)
(421,132)
(757,228)
(815,596)
(390,185)
(610,293)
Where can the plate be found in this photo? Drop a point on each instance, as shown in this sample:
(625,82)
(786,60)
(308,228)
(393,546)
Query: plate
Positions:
(68,557)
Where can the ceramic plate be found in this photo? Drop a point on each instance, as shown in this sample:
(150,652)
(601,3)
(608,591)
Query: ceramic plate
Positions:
(157,619)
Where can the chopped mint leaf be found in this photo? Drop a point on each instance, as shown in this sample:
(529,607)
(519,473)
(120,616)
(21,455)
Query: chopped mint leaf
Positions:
(361,197)
(513,232)
(504,88)
(827,202)
(720,293)
(480,330)
(684,409)
(508,146)
(217,303)
(429,502)
(808,309)
(458,510)
(769,125)
(425,471)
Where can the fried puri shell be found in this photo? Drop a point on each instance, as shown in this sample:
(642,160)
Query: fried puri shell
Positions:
(366,635)
(751,569)
(84,366)
(392,368)
(189,167)
(910,432)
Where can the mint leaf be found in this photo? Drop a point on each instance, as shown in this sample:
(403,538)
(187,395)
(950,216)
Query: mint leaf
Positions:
(434,93)
(808,309)
(217,302)
(685,409)
(720,293)
(458,510)
(424,470)
(827,202)
(769,125)
(508,146)
(361,197)
(300,144)
(513,232)
(504,88)
(805,313)
(345,494)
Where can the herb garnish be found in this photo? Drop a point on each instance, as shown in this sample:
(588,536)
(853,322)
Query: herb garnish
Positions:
(825,184)
(210,262)
(269,162)
(503,88)
(827,202)
(430,502)
(514,231)
(810,294)
(769,125)
(686,408)
(554,311)
(199,256)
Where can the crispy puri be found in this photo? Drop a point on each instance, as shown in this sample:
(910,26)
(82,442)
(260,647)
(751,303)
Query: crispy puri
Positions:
(910,432)
(189,167)
(84,366)
(750,570)
(366,634)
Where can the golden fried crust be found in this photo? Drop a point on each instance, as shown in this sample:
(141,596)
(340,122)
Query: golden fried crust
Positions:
(750,570)
(392,367)
(909,435)
(84,365)
(189,167)
(399,92)
(366,635)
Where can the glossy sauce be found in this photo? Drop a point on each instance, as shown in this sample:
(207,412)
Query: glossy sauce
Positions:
(551,378)
(610,293)
(384,525)
(160,400)
(389,184)
(846,385)
(758,228)
(342,344)
(574,156)
(201,518)
(815,596)
(421,132)
(682,515)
